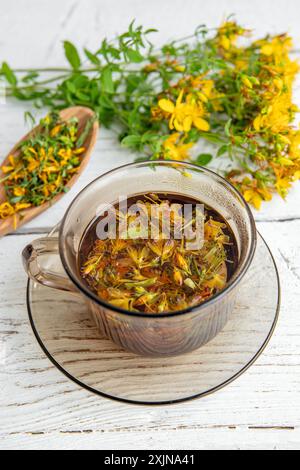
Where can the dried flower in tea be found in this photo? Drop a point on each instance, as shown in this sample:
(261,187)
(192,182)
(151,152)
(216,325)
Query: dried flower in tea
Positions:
(142,274)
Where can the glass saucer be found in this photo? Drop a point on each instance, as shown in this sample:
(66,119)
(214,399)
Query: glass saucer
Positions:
(68,336)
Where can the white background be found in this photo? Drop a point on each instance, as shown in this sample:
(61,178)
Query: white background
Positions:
(40,408)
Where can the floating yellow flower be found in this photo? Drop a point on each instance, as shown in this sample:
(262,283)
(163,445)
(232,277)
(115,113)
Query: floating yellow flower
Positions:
(217,282)
(185,114)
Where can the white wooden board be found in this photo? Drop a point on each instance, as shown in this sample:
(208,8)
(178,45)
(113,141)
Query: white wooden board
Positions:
(39,407)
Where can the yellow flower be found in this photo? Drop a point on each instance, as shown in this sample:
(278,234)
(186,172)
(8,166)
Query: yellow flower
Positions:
(55,131)
(32,150)
(255,196)
(79,151)
(184,114)
(42,153)
(51,169)
(282,185)
(178,276)
(6,209)
(247,82)
(175,149)
(18,191)
(45,191)
(276,117)
(181,262)
(217,282)
(207,91)
(286,161)
(22,205)
(65,153)
(179,68)
(7,168)
(278,82)
(47,119)
(296,175)
(278,46)
(227,35)
(205,86)
(284,139)
(58,181)
(12,166)
(33,164)
(294,147)
(224,42)
(157,114)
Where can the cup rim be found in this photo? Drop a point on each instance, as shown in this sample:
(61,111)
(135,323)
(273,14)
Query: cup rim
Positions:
(198,307)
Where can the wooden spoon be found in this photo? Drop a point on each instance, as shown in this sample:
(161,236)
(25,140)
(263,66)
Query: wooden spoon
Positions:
(83,115)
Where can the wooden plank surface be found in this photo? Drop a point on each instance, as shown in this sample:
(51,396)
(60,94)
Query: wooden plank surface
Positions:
(39,407)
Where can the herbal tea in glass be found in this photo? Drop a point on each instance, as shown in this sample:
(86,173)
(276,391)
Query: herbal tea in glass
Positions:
(147,256)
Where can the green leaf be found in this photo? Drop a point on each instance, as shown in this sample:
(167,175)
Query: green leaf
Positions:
(134,56)
(107,80)
(29,118)
(149,136)
(92,57)
(203,159)
(223,149)
(82,96)
(14,200)
(151,30)
(131,141)
(227,127)
(72,55)
(214,138)
(84,134)
(9,74)
(29,77)
(71,87)
(238,140)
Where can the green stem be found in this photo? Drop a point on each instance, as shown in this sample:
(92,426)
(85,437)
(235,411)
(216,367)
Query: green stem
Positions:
(38,84)
(50,69)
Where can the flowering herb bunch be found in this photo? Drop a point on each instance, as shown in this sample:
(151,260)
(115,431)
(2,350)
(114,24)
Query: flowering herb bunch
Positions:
(217,84)
(137,273)
(44,164)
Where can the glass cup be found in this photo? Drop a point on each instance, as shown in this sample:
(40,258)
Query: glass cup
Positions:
(161,334)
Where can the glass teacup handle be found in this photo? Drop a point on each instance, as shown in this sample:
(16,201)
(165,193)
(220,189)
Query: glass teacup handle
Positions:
(31,255)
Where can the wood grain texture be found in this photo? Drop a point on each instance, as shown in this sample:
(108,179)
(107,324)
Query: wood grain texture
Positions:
(39,407)
(264,400)
(70,335)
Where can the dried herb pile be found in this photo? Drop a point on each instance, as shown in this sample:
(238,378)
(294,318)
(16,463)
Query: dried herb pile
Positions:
(217,84)
(157,275)
(45,163)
